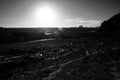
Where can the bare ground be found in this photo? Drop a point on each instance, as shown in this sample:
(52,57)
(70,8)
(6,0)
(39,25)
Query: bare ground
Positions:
(63,59)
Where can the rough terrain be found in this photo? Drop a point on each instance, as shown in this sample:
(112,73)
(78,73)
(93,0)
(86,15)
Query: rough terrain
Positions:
(62,59)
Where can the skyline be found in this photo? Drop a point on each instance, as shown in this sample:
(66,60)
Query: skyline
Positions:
(22,13)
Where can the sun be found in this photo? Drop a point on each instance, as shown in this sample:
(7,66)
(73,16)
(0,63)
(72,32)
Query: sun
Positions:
(45,16)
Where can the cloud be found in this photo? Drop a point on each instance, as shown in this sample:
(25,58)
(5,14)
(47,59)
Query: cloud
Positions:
(75,20)
(85,22)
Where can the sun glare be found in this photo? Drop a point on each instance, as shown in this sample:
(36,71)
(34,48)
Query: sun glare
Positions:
(45,16)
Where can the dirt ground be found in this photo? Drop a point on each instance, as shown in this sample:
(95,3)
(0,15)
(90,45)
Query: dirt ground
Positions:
(62,59)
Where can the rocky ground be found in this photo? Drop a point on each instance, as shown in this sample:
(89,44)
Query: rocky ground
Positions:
(63,59)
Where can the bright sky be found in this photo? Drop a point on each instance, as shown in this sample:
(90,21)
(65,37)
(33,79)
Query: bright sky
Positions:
(56,13)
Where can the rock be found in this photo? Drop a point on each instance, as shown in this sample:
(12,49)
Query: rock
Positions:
(111,27)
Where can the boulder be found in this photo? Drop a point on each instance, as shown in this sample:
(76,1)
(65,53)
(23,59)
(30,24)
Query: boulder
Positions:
(111,27)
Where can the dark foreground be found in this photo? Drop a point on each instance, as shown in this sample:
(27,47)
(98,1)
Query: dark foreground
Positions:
(64,59)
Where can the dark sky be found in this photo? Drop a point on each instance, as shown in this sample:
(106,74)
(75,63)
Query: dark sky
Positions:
(21,13)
